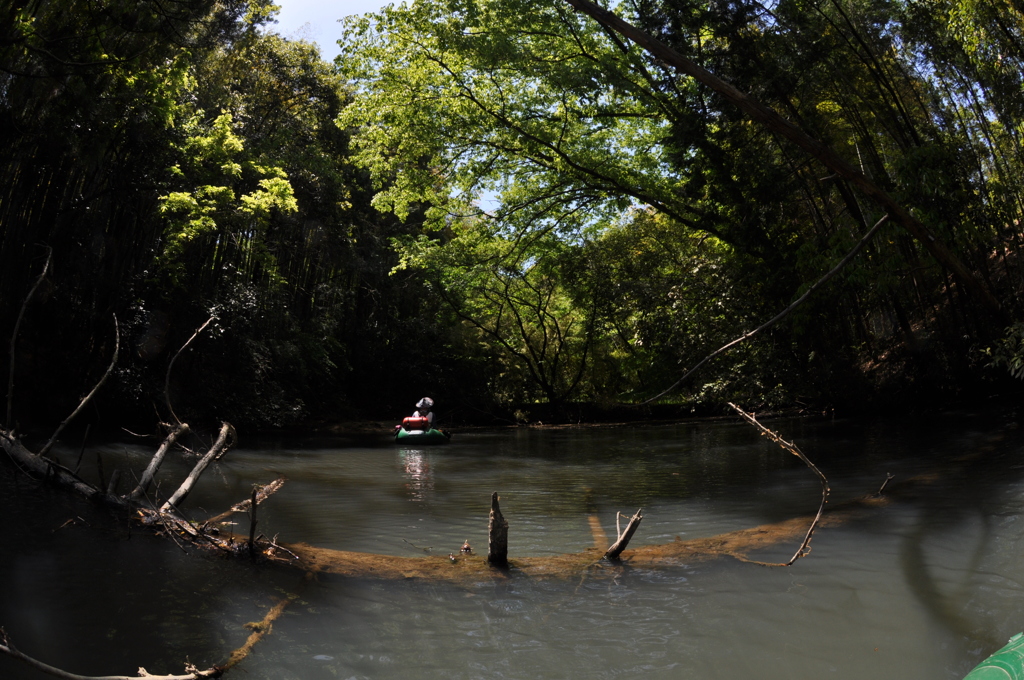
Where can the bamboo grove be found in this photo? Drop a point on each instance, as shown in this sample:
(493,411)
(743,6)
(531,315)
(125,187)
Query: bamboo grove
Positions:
(505,204)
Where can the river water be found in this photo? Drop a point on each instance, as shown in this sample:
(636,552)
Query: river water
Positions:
(924,587)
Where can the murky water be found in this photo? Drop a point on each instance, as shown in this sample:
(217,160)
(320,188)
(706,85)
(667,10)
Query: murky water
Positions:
(923,588)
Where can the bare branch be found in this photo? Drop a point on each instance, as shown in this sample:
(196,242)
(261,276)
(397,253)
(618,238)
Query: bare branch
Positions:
(265,491)
(170,366)
(44,468)
(805,547)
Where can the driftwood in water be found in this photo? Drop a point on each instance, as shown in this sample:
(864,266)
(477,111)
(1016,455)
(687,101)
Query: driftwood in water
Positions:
(165,519)
(45,468)
(624,536)
(497,535)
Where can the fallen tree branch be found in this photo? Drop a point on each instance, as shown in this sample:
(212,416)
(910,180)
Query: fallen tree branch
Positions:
(192,673)
(263,628)
(781,315)
(226,432)
(44,468)
(805,547)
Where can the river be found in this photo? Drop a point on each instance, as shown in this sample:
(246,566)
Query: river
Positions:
(922,588)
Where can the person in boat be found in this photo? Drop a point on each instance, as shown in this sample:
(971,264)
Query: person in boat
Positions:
(422,418)
(424,410)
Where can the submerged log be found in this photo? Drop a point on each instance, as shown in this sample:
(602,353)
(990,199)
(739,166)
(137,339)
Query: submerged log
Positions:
(472,568)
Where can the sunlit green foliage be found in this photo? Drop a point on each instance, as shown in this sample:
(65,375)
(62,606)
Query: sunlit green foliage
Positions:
(212,155)
(522,101)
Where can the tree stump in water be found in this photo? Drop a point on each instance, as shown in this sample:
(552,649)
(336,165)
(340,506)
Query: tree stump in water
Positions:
(497,535)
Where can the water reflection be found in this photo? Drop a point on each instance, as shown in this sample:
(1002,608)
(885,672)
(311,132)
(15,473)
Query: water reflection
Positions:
(419,479)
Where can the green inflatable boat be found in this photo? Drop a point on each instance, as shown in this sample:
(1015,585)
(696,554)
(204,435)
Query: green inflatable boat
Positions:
(419,430)
(1006,664)
(430,436)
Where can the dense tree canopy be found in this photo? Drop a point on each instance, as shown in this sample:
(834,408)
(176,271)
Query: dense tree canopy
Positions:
(555,124)
(502,203)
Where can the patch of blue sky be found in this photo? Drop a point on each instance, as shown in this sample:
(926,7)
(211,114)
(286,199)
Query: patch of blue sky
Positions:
(316,21)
